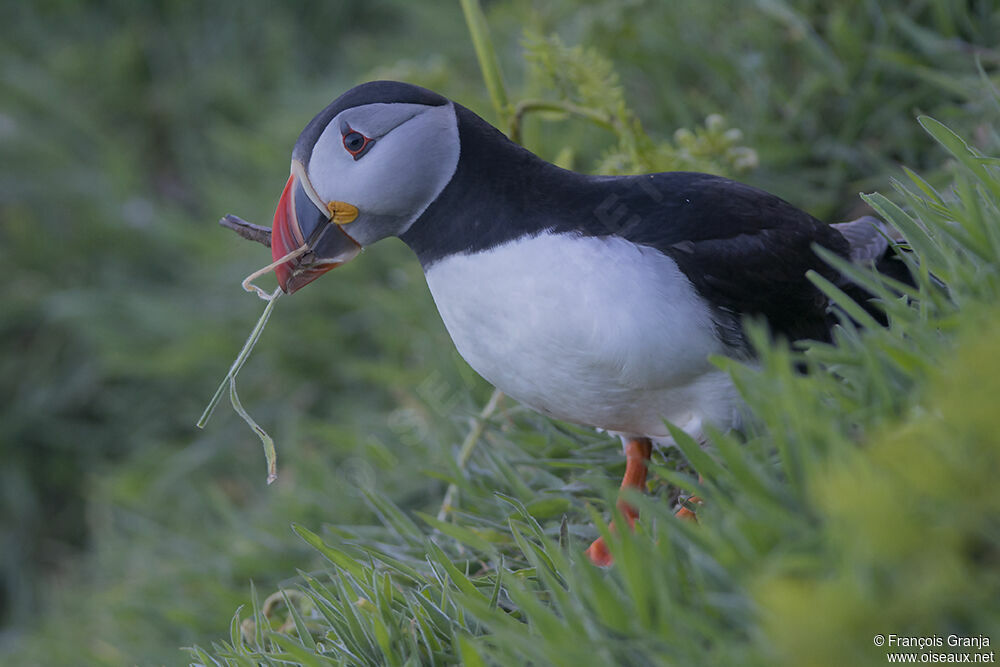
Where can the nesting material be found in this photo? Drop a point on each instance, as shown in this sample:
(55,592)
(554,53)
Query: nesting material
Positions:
(229,381)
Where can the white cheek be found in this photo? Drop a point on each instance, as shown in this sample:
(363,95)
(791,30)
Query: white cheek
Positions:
(337,176)
(399,176)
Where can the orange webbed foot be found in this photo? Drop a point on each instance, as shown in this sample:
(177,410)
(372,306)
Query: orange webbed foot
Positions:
(686,513)
(637,453)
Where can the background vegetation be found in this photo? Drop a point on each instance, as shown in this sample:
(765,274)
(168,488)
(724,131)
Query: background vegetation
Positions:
(863,502)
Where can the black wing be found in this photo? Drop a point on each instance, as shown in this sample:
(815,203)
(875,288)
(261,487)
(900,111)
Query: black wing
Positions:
(744,250)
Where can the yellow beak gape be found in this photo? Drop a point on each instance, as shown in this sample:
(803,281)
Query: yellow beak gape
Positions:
(341,212)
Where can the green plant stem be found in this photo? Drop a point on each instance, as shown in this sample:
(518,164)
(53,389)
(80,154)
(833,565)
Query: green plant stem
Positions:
(229,382)
(241,359)
(468,445)
(526,106)
(487,56)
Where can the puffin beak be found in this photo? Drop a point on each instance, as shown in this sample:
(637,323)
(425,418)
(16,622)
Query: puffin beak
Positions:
(299,221)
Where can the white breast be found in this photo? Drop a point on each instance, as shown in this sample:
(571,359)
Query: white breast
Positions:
(596,331)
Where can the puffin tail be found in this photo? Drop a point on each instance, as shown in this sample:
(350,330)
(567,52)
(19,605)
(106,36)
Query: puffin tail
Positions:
(870,243)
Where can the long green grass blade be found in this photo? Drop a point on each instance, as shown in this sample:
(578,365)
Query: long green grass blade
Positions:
(229,382)
(241,359)
(305,637)
(269,452)
(487,56)
(958,147)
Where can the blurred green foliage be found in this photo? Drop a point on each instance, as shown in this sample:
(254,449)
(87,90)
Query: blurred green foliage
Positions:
(127,129)
(912,525)
(807,547)
(127,134)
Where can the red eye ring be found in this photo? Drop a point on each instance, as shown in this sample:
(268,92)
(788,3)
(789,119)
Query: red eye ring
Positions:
(356,143)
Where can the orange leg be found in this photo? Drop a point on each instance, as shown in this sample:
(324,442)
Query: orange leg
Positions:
(637,453)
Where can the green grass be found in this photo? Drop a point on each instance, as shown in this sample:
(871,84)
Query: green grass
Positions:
(862,501)
(863,490)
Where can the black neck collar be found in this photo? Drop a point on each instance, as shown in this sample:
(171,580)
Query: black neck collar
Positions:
(499,192)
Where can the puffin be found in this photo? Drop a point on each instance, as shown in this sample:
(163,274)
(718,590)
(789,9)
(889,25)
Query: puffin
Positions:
(596,300)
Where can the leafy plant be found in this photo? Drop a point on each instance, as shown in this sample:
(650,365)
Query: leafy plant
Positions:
(586,85)
(796,513)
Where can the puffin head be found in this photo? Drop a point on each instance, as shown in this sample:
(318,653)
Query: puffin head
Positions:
(363,169)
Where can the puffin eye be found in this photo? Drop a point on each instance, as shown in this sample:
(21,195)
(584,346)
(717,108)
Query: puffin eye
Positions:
(356,143)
